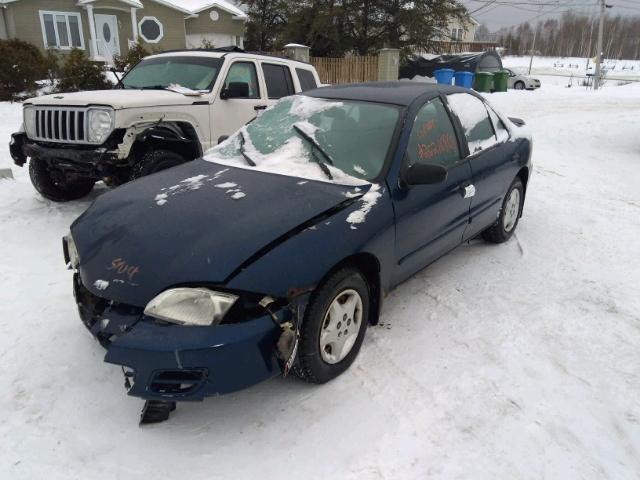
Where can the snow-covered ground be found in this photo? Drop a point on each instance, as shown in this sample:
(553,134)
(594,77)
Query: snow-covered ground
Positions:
(517,361)
(628,70)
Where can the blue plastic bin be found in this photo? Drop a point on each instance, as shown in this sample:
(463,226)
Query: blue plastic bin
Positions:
(464,79)
(444,75)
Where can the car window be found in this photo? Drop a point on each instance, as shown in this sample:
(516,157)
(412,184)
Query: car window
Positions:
(244,72)
(307,80)
(501,131)
(475,121)
(278,80)
(433,139)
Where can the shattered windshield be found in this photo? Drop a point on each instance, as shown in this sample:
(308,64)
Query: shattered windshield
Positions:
(156,73)
(314,138)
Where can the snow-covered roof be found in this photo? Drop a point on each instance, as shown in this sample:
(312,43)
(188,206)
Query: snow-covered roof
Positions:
(192,7)
(133,3)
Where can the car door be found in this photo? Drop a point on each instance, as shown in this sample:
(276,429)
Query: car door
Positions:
(492,158)
(278,81)
(229,114)
(431,219)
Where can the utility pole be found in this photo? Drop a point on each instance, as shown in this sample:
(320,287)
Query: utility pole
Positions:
(596,79)
(533,47)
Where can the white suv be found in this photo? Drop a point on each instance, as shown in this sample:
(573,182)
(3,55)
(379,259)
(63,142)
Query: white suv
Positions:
(168,109)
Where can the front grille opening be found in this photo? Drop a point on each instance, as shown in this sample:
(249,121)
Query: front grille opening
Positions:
(60,124)
(177,382)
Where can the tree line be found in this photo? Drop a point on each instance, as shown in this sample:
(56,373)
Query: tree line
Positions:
(334,28)
(575,35)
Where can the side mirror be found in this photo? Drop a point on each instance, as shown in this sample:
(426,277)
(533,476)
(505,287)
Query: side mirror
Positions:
(235,90)
(420,174)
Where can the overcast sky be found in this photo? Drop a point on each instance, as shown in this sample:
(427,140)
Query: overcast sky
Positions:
(498,16)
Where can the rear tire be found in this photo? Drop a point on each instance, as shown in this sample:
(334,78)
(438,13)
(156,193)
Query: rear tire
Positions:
(329,341)
(57,191)
(156,161)
(503,229)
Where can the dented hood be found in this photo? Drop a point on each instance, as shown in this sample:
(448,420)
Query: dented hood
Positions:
(118,99)
(197,223)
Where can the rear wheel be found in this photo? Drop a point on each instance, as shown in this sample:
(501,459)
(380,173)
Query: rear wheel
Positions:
(155,161)
(334,326)
(519,85)
(53,184)
(503,229)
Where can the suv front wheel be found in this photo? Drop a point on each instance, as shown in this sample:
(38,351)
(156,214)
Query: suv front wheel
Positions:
(155,161)
(54,186)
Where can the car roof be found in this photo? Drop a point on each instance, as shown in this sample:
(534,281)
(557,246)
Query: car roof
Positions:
(398,93)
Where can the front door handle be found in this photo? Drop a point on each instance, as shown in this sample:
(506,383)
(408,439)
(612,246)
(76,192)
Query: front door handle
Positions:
(468,191)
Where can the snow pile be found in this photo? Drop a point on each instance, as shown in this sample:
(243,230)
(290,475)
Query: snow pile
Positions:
(232,189)
(186,185)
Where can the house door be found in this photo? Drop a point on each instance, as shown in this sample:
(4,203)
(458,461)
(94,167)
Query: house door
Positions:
(107,35)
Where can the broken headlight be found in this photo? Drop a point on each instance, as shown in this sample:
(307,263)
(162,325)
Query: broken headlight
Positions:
(70,251)
(190,306)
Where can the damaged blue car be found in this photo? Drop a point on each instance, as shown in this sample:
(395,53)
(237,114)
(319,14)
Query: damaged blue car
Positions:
(273,253)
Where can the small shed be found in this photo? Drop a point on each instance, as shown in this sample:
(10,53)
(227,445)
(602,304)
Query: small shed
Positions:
(425,65)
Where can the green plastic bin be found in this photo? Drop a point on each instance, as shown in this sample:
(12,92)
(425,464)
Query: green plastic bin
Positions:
(500,81)
(483,82)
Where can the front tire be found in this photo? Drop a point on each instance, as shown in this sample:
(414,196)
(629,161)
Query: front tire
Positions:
(519,85)
(57,190)
(334,326)
(156,161)
(503,229)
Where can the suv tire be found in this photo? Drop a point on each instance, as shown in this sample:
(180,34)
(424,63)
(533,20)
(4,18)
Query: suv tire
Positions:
(314,366)
(155,161)
(55,190)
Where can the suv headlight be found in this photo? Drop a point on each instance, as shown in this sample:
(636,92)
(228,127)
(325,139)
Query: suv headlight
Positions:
(29,118)
(190,306)
(99,124)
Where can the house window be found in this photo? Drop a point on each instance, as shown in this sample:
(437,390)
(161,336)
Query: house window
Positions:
(61,30)
(457,34)
(151,29)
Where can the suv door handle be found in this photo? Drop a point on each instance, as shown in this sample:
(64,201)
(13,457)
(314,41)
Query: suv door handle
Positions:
(468,190)
(259,107)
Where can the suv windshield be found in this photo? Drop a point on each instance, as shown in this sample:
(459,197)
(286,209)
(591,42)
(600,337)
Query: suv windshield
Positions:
(195,73)
(308,137)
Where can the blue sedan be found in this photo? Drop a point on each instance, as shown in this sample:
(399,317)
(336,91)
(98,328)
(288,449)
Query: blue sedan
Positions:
(274,252)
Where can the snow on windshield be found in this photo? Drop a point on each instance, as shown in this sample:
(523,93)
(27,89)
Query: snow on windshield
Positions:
(292,157)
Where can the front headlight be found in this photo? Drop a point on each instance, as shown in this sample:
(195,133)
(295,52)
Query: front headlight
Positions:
(30,121)
(100,124)
(191,306)
(70,251)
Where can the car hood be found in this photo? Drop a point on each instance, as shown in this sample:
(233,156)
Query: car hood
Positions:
(198,223)
(118,99)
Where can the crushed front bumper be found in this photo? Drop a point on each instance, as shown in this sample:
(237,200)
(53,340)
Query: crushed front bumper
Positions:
(181,363)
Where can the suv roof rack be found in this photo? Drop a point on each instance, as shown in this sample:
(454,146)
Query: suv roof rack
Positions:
(231,49)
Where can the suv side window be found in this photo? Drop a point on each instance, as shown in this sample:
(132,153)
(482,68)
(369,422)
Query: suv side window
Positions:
(433,139)
(278,80)
(244,72)
(475,121)
(307,80)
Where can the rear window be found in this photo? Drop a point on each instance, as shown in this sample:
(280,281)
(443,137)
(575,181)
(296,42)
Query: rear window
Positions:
(475,121)
(307,80)
(278,80)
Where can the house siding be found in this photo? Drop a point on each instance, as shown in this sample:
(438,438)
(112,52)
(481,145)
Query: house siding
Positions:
(23,22)
(225,23)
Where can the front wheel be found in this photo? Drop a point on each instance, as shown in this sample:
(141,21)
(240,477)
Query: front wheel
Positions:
(334,326)
(503,229)
(53,185)
(156,161)
(519,86)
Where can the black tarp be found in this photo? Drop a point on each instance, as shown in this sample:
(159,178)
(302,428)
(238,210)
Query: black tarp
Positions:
(463,62)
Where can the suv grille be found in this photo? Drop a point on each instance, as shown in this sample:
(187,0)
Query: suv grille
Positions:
(60,124)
